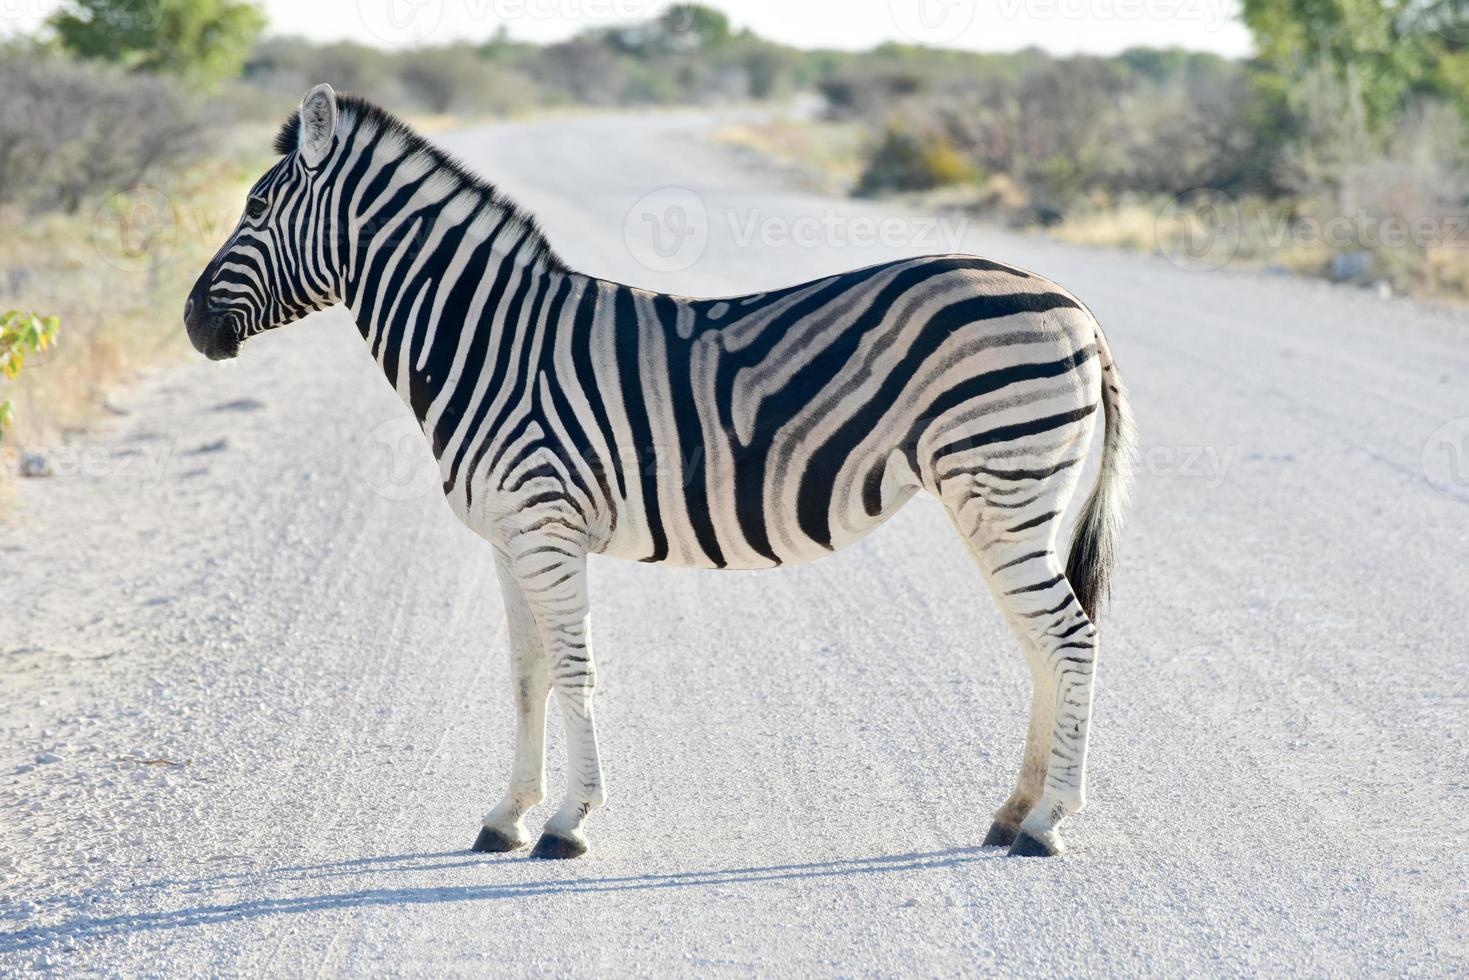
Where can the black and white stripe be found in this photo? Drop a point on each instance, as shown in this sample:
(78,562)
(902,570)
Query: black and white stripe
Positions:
(572,415)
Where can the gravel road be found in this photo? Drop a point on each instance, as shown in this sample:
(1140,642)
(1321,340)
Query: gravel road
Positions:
(254,700)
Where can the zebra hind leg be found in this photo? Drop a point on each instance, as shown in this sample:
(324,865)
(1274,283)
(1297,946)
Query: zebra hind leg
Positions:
(1006,825)
(1059,642)
(1008,511)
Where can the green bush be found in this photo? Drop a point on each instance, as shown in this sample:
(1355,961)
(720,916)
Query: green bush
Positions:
(21,334)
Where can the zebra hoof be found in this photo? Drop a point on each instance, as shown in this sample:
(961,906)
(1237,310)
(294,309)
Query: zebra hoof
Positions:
(1000,835)
(1027,846)
(492,841)
(552,847)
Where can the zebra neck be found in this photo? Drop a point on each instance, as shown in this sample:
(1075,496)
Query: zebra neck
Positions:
(440,302)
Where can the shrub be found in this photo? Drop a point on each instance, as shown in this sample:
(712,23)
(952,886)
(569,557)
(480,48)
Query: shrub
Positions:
(1394,205)
(1198,129)
(69,131)
(867,94)
(585,70)
(904,161)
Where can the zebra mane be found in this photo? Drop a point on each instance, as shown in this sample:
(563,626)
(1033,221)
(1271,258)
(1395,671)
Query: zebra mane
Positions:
(356,112)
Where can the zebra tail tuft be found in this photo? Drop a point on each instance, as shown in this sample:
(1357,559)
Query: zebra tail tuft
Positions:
(1094,542)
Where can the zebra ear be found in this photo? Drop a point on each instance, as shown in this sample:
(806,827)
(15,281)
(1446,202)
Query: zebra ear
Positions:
(318,123)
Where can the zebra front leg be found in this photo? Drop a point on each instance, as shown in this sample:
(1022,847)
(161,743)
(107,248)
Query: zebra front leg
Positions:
(503,828)
(552,572)
(564,836)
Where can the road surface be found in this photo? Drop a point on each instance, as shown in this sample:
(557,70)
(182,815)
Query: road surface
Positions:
(254,700)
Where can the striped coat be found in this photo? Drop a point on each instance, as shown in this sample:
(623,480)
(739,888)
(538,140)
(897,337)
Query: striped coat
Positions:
(571,415)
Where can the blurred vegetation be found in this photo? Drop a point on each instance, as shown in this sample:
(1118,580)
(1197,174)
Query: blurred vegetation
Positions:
(1346,131)
(129,129)
(72,131)
(687,55)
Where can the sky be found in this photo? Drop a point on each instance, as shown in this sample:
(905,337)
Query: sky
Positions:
(1059,26)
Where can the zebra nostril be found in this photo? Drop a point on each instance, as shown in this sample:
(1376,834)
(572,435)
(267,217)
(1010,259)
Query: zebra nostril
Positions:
(188,307)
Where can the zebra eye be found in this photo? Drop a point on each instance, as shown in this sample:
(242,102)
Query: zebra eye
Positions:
(256,207)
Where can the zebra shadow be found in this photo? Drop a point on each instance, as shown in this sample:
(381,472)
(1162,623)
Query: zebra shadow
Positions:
(93,926)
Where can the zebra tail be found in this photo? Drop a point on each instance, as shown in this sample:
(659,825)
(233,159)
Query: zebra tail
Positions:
(1094,542)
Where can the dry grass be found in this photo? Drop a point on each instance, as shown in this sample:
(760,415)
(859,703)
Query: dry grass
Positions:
(827,156)
(1130,226)
(1265,235)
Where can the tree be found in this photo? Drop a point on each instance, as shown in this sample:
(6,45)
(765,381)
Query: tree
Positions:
(1382,52)
(202,41)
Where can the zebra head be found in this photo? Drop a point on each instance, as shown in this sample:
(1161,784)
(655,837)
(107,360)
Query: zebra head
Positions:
(278,264)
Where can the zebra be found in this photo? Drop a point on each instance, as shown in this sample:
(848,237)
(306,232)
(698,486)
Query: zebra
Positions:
(571,416)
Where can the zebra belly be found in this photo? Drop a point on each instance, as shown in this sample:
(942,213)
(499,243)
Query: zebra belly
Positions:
(706,529)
